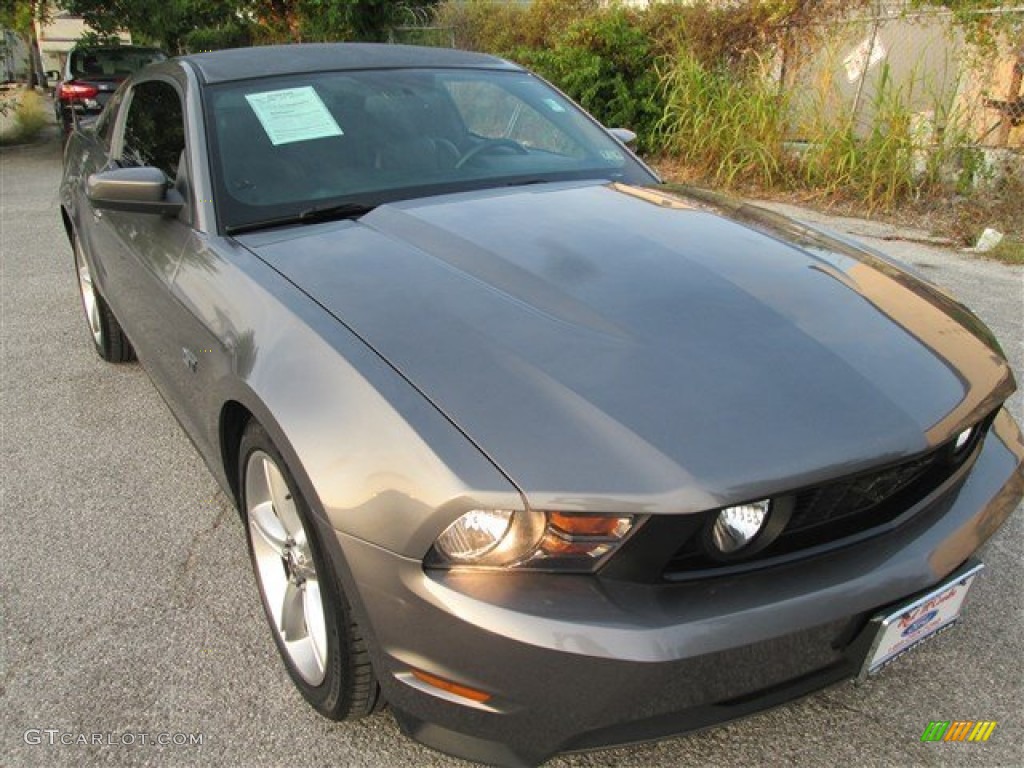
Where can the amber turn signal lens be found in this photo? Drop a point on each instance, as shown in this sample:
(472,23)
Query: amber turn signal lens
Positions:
(556,546)
(450,687)
(590,525)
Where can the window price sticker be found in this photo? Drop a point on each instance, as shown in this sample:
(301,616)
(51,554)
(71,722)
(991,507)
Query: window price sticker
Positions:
(293,114)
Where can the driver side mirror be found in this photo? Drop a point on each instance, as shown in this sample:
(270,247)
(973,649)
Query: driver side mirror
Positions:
(52,74)
(136,190)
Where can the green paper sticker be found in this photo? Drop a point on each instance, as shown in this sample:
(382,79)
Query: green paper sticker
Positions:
(293,114)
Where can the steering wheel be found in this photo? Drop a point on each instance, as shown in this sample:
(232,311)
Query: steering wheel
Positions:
(489,145)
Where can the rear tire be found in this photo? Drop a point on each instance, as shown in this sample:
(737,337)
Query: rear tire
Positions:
(108,338)
(319,641)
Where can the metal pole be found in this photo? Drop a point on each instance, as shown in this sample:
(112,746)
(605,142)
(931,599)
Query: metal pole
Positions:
(867,66)
(1012,95)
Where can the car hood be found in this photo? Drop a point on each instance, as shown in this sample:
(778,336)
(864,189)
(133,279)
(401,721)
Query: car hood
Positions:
(621,348)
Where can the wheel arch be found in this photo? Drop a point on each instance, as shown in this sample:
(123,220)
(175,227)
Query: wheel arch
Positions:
(244,406)
(234,417)
(68,226)
(239,407)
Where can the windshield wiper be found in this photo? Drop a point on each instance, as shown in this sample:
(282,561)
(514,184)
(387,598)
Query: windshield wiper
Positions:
(332,212)
(308,216)
(525,182)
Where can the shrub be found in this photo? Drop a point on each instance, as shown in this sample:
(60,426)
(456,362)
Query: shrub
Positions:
(604,62)
(502,28)
(30,116)
(599,55)
(218,38)
(735,34)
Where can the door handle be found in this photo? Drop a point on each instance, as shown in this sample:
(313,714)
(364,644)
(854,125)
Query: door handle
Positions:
(189,358)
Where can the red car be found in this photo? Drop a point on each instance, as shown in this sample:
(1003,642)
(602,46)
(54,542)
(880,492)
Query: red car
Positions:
(92,74)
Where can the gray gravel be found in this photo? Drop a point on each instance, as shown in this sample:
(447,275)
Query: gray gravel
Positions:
(128,606)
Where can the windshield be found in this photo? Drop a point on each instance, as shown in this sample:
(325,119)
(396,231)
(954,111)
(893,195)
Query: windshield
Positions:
(114,63)
(283,146)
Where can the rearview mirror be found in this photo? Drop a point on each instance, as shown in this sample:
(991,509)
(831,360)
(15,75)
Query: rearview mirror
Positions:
(624,135)
(137,190)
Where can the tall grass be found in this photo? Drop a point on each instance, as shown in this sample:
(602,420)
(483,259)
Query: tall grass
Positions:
(873,162)
(741,130)
(30,114)
(727,127)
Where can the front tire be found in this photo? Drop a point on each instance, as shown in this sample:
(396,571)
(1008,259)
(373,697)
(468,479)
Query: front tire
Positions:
(320,642)
(108,338)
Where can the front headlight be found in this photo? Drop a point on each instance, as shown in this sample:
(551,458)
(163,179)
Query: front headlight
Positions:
(530,539)
(490,537)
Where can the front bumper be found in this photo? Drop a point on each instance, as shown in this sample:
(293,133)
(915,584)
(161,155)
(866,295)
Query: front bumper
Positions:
(577,662)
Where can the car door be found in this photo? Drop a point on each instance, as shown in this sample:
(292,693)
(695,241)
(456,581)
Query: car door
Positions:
(140,252)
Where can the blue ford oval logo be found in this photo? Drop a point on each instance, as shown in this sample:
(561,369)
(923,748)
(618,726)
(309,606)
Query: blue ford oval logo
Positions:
(919,622)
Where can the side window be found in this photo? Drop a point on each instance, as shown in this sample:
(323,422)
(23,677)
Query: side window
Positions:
(154,131)
(108,119)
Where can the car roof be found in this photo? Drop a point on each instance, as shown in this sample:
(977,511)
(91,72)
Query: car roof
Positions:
(270,60)
(84,47)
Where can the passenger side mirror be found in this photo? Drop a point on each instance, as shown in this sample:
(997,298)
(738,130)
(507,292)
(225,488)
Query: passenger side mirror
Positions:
(52,74)
(137,190)
(624,135)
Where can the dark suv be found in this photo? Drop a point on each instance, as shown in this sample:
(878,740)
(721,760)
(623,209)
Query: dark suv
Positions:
(92,74)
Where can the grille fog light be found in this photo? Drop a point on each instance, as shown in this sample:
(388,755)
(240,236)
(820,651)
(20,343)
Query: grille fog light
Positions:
(736,527)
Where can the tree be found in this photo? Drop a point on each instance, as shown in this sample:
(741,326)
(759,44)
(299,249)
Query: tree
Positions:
(330,20)
(169,22)
(21,16)
(165,22)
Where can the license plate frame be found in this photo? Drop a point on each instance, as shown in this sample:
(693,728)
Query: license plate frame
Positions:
(918,620)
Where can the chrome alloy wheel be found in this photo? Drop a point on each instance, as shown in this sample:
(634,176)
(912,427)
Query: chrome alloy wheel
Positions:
(285,568)
(89,302)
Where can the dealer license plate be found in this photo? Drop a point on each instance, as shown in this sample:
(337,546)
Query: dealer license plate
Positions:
(916,621)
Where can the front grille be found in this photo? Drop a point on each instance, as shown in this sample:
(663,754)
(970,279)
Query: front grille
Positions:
(833,513)
(857,495)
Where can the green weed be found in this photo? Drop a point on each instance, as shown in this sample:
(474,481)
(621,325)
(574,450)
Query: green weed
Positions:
(728,127)
(30,116)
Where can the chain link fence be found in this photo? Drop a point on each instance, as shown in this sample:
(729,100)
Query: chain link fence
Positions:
(417,26)
(918,60)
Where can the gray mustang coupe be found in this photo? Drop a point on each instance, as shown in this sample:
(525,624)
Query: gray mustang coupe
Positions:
(541,452)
